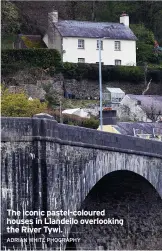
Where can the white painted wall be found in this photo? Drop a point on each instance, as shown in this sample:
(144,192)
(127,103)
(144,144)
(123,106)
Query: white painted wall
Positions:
(127,55)
(45,40)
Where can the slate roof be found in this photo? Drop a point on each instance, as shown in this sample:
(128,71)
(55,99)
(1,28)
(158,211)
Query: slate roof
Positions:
(126,128)
(149,102)
(72,28)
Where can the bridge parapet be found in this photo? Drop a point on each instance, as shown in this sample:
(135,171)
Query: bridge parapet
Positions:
(29,129)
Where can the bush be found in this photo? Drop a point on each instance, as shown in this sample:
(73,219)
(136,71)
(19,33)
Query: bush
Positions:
(145,53)
(75,120)
(18,105)
(143,34)
(32,57)
(91,123)
(51,59)
(130,73)
(69,70)
(155,75)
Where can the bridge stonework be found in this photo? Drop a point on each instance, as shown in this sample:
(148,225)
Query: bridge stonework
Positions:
(51,166)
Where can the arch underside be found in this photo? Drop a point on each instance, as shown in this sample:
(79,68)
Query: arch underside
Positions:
(128,196)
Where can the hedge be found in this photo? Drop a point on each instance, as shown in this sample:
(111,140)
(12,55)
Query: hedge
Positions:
(16,59)
(155,75)
(31,57)
(110,73)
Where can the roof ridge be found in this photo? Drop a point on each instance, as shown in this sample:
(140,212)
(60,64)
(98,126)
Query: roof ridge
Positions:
(70,20)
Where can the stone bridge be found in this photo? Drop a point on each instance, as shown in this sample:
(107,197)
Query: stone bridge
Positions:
(49,166)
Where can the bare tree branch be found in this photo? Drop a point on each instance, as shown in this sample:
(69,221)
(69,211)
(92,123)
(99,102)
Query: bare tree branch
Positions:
(147,88)
(152,113)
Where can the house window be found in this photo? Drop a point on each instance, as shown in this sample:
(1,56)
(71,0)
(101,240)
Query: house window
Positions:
(80,43)
(98,44)
(81,60)
(117,62)
(117,46)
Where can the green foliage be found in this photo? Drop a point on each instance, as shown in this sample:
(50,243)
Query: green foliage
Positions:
(87,71)
(145,53)
(8,69)
(129,73)
(75,103)
(109,73)
(76,120)
(69,69)
(32,57)
(145,44)
(51,95)
(155,74)
(143,34)
(7,41)
(18,105)
(10,18)
(91,123)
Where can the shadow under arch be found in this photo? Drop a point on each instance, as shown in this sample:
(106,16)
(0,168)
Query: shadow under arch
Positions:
(71,245)
(124,195)
(113,175)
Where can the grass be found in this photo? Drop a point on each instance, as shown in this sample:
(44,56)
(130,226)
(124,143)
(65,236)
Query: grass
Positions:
(76,103)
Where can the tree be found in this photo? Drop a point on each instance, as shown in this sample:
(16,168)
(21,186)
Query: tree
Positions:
(145,44)
(52,96)
(18,105)
(10,18)
(152,112)
(34,13)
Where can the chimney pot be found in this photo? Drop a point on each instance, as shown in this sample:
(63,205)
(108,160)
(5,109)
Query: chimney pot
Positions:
(123,14)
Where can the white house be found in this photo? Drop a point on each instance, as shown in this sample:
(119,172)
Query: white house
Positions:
(77,41)
(145,108)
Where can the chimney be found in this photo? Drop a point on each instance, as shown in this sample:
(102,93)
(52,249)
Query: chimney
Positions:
(52,19)
(124,19)
(109,117)
(53,16)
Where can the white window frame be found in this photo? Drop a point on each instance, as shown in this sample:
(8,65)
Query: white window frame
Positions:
(117,46)
(117,61)
(98,44)
(80,43)
(81,60)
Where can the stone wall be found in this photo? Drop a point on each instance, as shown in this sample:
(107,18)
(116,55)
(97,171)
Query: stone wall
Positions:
(83,89)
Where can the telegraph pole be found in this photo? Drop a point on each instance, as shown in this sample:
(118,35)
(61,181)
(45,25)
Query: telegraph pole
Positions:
(100,83)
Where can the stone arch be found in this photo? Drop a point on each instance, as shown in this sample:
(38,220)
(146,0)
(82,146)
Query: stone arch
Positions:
(71,245)
(106,162)
(138,216)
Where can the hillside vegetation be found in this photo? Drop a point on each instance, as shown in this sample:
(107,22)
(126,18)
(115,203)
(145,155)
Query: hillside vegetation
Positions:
(33,14)
(30,17)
